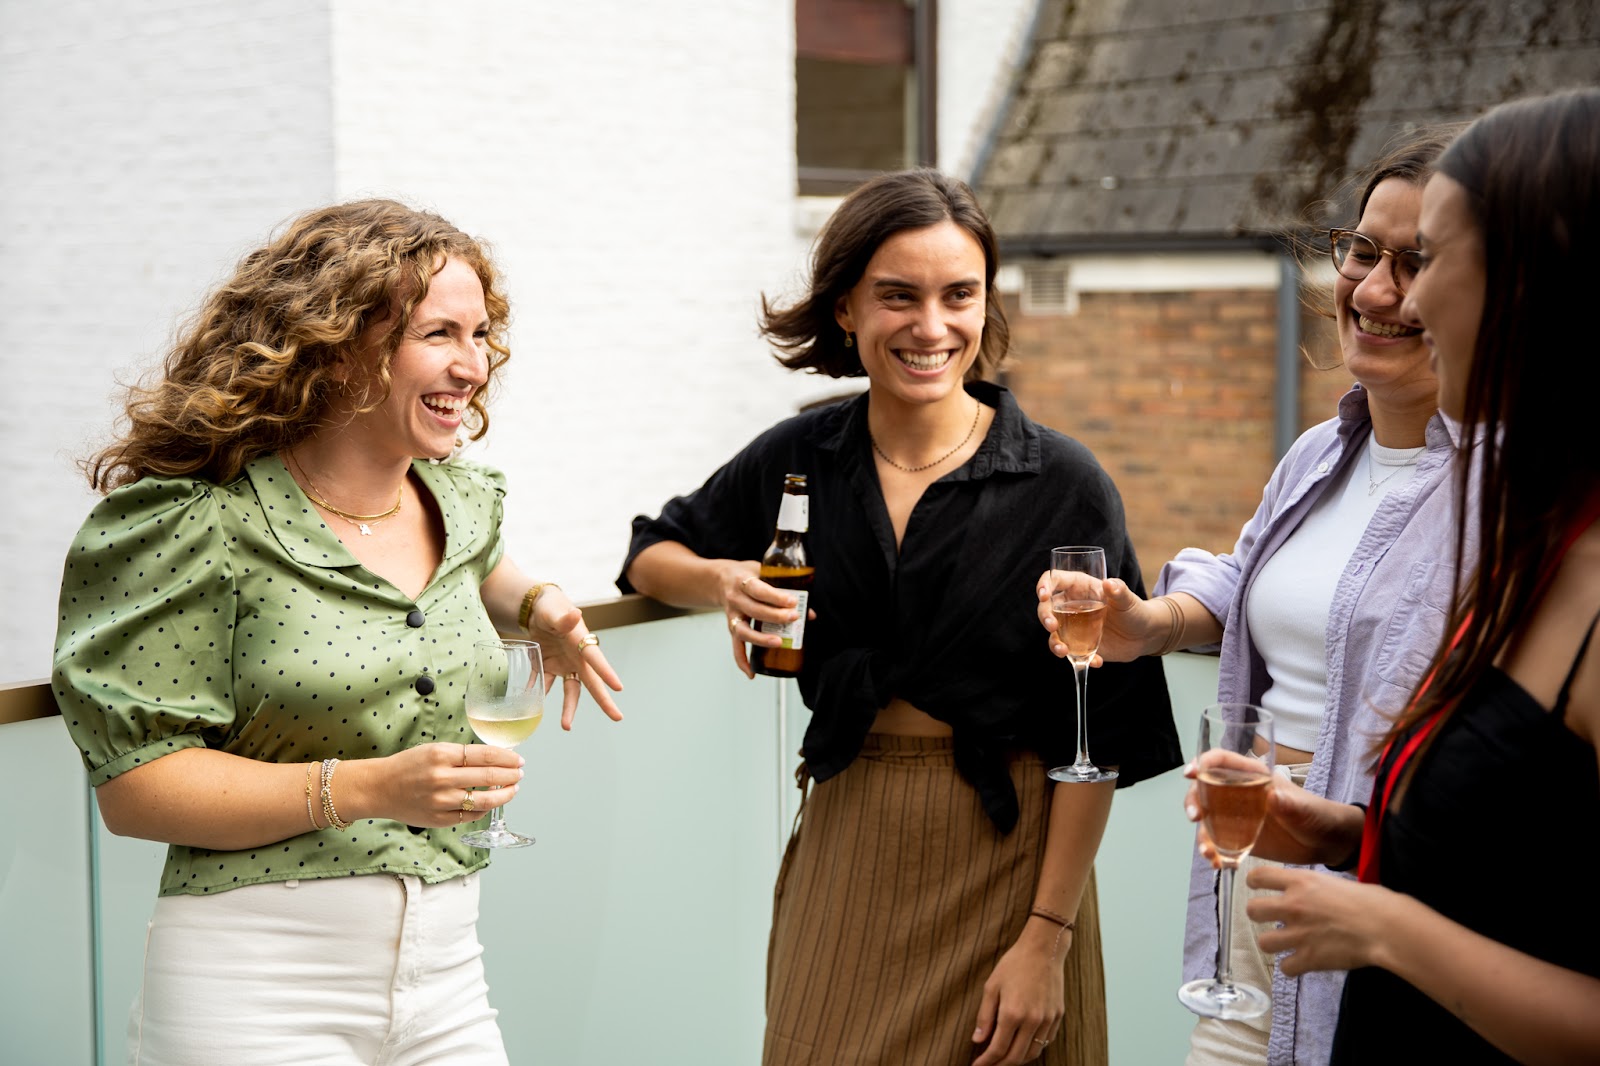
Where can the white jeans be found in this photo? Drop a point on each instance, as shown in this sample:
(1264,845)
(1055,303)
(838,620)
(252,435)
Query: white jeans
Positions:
(375,969)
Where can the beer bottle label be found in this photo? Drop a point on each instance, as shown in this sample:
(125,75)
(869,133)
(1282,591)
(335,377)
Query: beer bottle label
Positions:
(793,633)
(794,513)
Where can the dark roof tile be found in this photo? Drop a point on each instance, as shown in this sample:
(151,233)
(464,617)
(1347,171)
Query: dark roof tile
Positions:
(1212,117)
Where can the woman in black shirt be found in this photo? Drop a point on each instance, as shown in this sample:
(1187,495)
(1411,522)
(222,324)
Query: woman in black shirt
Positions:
(926,901)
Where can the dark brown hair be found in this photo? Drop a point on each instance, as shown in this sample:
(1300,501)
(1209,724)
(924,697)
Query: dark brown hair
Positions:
(1530,169)
(1409,157)
(255,369)
(806,333)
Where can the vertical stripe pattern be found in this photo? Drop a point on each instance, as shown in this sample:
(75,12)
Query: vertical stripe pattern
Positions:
(895,900)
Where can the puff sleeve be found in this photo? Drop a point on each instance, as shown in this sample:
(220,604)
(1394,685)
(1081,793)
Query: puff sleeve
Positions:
(143,653)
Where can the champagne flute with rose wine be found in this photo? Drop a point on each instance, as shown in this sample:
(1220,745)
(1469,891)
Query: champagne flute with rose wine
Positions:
(1077,576)
(1234,781)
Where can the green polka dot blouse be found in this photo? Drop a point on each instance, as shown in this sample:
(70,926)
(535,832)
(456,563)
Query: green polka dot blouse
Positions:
(231,617)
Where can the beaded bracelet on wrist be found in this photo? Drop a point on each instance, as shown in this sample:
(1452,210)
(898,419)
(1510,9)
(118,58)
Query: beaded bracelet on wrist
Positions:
(328,812)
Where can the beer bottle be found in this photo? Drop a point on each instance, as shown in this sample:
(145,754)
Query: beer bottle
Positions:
(785,566)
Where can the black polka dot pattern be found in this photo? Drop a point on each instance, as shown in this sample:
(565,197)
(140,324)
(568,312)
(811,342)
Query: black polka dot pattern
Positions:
(231,617)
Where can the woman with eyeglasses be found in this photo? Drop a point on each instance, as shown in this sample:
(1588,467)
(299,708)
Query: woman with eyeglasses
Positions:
(1333,599)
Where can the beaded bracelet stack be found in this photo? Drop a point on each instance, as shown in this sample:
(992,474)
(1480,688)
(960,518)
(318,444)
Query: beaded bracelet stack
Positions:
(328,766)
(329,813)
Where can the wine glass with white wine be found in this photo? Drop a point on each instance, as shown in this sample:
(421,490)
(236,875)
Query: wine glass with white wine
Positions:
(1077,577)
(1234,782)
(505,704)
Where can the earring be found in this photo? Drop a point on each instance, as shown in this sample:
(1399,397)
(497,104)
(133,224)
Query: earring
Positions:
(849,339)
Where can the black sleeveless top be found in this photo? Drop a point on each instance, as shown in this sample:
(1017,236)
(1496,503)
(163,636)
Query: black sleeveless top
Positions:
(1498,823)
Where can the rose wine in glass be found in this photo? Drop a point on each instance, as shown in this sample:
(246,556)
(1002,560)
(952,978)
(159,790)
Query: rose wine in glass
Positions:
(1235,780)
(505,704)
(1076,577)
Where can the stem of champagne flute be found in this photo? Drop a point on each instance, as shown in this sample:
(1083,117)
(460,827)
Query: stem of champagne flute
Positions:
(497,819)
(1080,674)
(1225,928)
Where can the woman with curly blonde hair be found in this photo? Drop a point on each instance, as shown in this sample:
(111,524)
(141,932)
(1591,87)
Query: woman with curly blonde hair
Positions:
(265,631)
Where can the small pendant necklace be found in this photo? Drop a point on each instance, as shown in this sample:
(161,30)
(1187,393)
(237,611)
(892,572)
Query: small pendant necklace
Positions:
(1374,484)
(977,409)
(361,521)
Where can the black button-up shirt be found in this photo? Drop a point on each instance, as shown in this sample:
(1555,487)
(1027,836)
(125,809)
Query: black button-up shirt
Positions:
(948,621)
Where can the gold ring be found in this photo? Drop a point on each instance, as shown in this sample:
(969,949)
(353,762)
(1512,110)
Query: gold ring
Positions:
(590,640)
(1041,1043)
(570,677)
(733,624)
(466,801)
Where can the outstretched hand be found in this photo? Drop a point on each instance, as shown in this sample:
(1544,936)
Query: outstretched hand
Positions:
(573,654)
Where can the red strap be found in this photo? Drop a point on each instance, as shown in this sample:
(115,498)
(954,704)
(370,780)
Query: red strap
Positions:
(1367,870)
(1383,787)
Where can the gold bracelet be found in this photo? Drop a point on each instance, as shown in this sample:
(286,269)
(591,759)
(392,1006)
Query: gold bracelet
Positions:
(310,811)
(1179,625)
(530,598)
(328,766)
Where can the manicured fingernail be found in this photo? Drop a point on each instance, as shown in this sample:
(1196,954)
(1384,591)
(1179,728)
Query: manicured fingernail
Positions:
(977,1034)
(1192,811)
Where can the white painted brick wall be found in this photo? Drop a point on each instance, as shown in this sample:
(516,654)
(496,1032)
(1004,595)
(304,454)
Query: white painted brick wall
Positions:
(143,146)
(632,163)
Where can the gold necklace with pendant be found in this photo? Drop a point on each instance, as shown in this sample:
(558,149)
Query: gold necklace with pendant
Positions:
(360,521)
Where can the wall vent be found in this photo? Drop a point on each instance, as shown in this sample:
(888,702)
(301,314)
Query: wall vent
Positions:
(1045,290)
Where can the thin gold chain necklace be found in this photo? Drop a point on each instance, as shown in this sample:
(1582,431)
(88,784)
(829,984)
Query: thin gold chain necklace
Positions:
(360,521)
(977,409)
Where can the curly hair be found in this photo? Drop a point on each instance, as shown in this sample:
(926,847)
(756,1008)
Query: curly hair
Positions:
(255,370)
(806,332)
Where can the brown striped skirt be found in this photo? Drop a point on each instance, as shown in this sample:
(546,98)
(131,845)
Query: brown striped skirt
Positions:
(896,898)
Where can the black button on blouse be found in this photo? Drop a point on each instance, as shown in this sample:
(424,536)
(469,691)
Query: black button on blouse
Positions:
(415,619)
(424,685)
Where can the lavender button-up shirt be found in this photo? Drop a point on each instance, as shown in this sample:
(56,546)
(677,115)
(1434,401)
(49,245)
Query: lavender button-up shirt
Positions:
(1384,625)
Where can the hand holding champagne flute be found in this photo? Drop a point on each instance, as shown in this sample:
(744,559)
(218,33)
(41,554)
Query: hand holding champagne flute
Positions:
(1077,598)
(505,704)
(1234,773)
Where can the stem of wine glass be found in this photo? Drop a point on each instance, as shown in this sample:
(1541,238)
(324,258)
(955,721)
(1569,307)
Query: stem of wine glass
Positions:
(497,819)
(1080,674)
(1225,928)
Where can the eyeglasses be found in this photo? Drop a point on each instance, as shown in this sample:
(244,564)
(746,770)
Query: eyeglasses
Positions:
(1356,254)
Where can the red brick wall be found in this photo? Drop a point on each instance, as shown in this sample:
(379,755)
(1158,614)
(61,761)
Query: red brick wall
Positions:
(1173,394)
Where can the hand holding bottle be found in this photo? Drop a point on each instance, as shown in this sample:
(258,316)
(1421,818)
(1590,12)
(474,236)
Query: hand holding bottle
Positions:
(769,610)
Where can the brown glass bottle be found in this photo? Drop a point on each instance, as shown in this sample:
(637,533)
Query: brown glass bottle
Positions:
(786,566)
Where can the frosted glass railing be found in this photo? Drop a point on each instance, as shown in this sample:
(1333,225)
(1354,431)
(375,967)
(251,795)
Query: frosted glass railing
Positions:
(634,931)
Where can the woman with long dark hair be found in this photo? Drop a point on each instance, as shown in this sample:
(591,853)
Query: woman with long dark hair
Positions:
(1468,938)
